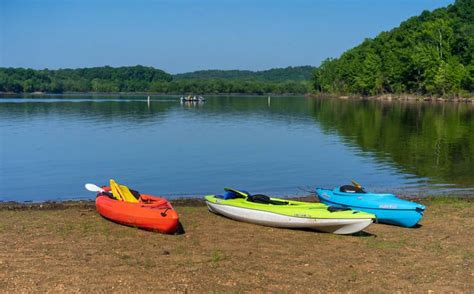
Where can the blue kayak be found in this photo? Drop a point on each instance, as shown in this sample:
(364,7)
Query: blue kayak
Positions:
(388,208)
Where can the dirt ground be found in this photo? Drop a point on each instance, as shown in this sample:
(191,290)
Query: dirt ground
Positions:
(69,247)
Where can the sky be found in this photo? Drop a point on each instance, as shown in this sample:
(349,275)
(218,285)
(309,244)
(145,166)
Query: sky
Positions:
(186,35)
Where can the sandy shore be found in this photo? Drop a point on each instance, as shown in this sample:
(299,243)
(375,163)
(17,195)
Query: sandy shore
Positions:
(69,247)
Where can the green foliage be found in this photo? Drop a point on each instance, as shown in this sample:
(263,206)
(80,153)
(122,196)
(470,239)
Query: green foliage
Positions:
(217,256)
(449,76)
(107,79)
(430,54)
(298,73)
(96,79)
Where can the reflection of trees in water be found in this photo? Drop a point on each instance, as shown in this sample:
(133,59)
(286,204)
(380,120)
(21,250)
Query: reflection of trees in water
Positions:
(429,140)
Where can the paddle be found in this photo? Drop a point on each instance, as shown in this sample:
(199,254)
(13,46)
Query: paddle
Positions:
(357,185)
(94,188)
(257,198)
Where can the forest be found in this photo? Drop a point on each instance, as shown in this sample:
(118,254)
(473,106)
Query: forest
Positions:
(294,80)
(298,73)
(430,54)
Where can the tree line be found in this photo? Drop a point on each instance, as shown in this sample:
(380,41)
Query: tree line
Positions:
(430,54)
(296,73)
(148,79)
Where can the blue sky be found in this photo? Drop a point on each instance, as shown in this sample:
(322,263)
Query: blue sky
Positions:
(187,35)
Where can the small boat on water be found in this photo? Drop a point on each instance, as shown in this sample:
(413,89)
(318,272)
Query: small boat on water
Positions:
(192,99)
(388,208)
(268,211)
(120,204)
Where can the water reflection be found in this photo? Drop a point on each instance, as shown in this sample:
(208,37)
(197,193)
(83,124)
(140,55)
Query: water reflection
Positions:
(429,140)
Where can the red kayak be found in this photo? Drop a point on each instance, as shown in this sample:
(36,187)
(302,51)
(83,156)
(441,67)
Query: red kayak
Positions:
(149,212)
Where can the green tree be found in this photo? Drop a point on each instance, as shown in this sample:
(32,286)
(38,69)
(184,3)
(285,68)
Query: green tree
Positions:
(449,77)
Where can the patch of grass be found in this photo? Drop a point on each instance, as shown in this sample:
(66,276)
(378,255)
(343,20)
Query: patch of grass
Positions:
(383,244)
(128,260)
(450,201)
(191,224)
(353,277)
(179,249)
(105,230)
(217,256)
(469,255)
(148,263)
(132,261)
(88,227)
(468,214)
(65,230)
(435,247)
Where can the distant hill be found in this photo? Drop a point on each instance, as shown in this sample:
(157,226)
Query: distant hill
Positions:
(297,73)
(430,54)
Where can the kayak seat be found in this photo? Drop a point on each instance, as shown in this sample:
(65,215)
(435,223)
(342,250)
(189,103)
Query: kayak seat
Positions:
(264,199)
(108,194)
(135,194)
(337,208)
(351,189)
(232,194)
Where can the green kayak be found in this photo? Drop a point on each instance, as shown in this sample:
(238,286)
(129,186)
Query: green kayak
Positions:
(275,212)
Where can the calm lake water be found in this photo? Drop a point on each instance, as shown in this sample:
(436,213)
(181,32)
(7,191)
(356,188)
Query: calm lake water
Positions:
(50,147)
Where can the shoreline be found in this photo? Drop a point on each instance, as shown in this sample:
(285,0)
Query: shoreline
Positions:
(67,204)
(304,195)
(199,202)
(395,97)
(383,97)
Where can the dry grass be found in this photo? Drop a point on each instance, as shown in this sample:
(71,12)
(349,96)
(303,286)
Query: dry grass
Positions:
(72,248)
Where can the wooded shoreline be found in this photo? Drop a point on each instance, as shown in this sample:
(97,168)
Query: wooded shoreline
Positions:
(397,97)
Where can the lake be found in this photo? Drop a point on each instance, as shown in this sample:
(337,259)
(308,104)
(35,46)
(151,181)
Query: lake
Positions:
(50,147)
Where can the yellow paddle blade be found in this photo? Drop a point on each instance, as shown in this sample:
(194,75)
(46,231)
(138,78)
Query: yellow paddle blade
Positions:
(116,190)
(128,194)
(122,192)
(357,185)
